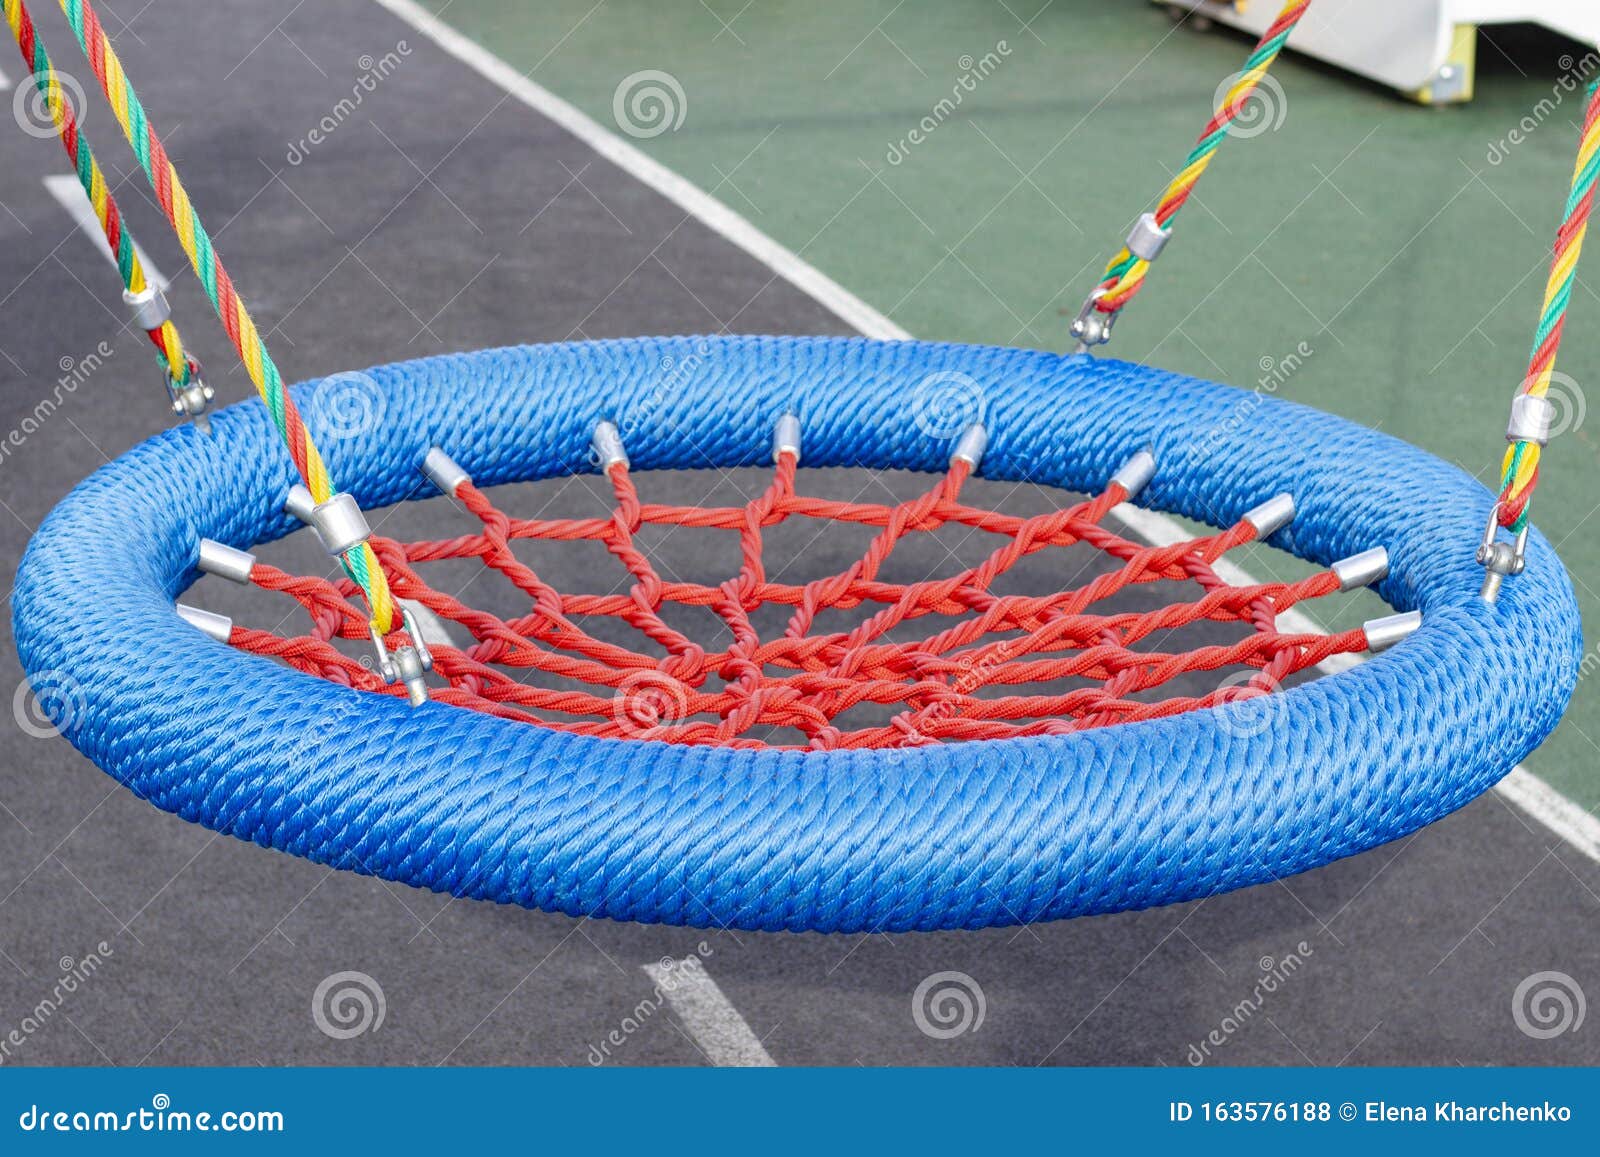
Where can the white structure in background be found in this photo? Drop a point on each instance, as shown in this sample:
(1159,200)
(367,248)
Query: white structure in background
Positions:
(1424,48)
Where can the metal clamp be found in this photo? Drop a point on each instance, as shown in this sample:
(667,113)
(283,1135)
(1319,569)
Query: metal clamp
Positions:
(1135,474)
(1531,420)
(1500,559)
(443,471)
(786,438)
(1147,238)
(224,561)
(972,446)
(407,664)
(1092,327)
(1271,516)
(192,398)
(149,309)
(608,450)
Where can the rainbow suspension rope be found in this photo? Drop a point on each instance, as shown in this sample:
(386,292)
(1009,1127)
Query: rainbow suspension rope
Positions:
(1532,413)
(1126,273)
(338,521)
(190,395)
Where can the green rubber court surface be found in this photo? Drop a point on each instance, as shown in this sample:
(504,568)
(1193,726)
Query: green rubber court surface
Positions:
(455,207)
(1371,257)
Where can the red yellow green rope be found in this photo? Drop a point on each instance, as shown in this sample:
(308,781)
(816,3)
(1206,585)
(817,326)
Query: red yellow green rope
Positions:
(165,337)
(360,562)
(1520,471)
(1126,273)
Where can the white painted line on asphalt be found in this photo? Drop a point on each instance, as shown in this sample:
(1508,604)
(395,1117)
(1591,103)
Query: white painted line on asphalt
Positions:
(707,1016)
(689,197)
(1568,820)
(66,190)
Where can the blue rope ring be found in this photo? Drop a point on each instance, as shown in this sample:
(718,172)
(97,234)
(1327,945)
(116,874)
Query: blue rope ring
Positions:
(956,836)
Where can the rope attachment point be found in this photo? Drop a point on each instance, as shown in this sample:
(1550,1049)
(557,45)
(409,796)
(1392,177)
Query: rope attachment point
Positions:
(218,627)
(1271,516)
(1135,474)
(225,561)
(1093,326)
(444,472)
(1362,570)
(970,449)
(786,438)
(1391,629)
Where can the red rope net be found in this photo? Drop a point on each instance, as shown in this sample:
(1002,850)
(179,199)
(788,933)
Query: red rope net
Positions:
(962,681)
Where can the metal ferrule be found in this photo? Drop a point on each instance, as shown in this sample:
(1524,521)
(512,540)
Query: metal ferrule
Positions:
(608,447)
(786,438)
(225,561)
(1361,570)
(149,309)
(1531,419)
(443,471)
(1136,473)
(1272,515)
(340,524)
(300,504)
(1386,632)
(1148,239)
(219,627)
(972,446)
